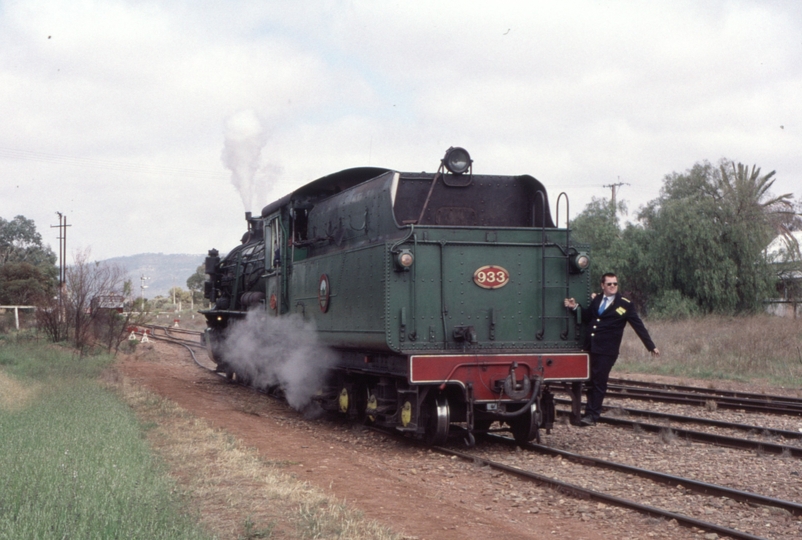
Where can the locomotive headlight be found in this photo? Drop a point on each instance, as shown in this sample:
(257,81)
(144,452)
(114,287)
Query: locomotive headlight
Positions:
(457,160)
(580,262)
(404,259)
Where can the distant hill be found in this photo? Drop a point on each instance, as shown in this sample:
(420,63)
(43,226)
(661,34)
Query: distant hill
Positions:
(163,271)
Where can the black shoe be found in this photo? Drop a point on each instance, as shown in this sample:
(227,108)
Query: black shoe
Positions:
(587,420)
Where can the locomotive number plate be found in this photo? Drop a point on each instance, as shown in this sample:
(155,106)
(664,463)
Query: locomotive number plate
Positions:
(491,277)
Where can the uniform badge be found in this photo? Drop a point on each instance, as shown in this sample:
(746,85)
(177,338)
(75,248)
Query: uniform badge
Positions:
(620,311)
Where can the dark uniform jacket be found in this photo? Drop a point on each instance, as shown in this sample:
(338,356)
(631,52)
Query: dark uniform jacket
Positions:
(604,332)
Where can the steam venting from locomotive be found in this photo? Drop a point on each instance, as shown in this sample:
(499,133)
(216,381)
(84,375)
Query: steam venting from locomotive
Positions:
(279,351)
(242,154)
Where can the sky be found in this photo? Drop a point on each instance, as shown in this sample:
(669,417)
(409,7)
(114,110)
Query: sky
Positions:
(154,126)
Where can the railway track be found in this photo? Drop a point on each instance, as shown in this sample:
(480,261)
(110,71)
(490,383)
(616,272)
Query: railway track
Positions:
(744,402)
(650,510)
(747,502)
(765,441)
(712,392)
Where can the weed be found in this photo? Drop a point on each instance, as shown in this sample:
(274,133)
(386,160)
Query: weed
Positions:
(250,531)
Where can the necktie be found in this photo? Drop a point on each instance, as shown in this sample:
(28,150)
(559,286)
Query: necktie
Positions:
(603,306)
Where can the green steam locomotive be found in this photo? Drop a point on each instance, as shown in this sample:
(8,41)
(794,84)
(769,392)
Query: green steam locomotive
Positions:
(440,295)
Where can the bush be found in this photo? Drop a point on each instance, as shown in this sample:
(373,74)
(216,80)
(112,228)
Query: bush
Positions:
(673,306)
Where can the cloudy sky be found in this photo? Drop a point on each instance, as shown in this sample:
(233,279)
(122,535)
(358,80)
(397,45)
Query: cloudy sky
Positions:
(154,125)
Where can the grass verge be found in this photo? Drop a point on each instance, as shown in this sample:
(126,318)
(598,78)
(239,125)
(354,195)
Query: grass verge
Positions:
(239,494)
(762,348)
(73,463)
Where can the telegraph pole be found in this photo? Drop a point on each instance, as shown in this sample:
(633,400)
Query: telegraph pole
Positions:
(613,187)
(62,247)
(62,254)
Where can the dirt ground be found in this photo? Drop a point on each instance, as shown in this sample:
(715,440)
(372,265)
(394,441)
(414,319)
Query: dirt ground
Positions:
(418,493)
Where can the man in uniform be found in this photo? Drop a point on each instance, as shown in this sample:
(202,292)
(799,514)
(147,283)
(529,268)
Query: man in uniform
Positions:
(606,317)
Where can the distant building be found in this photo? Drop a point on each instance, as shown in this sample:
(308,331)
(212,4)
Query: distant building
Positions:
(785,255)
(113,302)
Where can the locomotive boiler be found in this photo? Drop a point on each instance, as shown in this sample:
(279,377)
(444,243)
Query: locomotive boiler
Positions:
(440,293)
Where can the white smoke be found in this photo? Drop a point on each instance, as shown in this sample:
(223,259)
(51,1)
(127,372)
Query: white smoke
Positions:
(281,351)
(242,154)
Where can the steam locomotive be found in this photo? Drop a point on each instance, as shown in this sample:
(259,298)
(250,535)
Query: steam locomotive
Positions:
(441,294)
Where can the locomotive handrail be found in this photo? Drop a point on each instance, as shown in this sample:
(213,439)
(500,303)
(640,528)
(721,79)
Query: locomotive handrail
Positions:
(539,195)
(284,273)
(443,307)
(567,210)
(237,277)
(564,334)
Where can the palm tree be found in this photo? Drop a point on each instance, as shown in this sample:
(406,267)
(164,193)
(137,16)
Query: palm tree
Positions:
(752,218)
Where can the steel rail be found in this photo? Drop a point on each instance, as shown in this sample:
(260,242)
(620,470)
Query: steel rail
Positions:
(700,487)
(656,392)
(700,436)
(167,331)
(761,430)
(695,485)
(701,390)
(586,493)
(188,346)
(701,401)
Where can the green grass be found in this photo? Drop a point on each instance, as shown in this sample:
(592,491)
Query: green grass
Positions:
(43,362)
(73,461)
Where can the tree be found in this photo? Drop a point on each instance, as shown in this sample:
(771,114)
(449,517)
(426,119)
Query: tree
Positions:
(195,284)
(597,226)
(22,283)
(20,242)
(90,310)
(27,268)
(707,233)
(179,295)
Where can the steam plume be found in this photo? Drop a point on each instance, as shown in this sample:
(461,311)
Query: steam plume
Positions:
(242,153)
(279,351)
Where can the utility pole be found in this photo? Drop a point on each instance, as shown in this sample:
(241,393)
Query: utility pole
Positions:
(613,187)
(62,247)
(62,267)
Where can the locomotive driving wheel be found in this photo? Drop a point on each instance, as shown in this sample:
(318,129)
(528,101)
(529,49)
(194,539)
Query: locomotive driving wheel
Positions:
(525,426)
(352,400)
(438,421)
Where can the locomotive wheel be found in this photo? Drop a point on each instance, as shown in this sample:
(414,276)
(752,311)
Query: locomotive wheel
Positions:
(351,402)
(439,421)
(371,406)
(344,400)
(525,427)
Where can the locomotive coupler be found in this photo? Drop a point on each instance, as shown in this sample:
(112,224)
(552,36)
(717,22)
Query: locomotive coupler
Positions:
(532,399)
(515,389)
